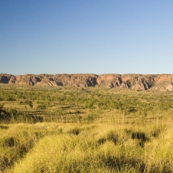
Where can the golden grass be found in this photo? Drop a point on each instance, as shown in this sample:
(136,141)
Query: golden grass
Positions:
(99,147)
(86,138)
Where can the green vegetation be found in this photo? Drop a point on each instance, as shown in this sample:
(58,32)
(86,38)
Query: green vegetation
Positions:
(65,129)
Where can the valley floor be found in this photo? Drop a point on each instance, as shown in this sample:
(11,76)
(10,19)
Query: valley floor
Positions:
(59,130)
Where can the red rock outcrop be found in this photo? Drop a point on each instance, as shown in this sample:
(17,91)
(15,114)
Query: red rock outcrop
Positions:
(163,82)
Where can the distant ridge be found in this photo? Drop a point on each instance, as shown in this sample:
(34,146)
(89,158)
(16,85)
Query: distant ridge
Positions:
(161,82)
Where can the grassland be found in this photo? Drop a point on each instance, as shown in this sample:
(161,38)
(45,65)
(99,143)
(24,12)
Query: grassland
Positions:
(66,129)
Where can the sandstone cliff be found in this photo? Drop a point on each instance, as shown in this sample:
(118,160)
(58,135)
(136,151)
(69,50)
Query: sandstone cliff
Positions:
(163,82)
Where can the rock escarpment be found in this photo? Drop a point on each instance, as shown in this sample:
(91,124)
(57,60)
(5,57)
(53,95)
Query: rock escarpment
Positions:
(162,82)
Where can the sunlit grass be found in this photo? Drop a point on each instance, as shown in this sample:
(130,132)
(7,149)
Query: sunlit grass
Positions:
(54,147)
(85,130)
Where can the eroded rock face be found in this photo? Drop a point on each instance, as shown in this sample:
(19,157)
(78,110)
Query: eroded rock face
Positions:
(109,80)
(5,78)
(163,82)
(133,81)
(79,80)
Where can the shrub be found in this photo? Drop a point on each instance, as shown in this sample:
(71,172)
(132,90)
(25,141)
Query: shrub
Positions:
(4,115)
(10,98)
(41,107)
(27,102)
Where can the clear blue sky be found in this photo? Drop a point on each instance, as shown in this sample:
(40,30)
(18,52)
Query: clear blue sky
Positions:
(86,36)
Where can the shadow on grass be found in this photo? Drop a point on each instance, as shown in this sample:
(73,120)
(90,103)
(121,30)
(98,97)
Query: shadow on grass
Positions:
(122,163)
(3,127)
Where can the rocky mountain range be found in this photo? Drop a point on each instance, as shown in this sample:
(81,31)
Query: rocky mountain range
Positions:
(162,82)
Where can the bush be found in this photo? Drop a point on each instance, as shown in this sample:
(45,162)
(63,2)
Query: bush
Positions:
(27,102)
(41,107)
(4,115)
(90,117)
(10,98)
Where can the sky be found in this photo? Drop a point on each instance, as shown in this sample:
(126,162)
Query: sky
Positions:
(86,36)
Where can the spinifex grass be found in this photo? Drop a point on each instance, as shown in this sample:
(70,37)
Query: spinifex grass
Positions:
(85,130)
(53,147)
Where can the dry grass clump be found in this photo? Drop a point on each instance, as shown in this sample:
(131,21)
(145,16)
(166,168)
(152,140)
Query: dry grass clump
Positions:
(98,148)
(17,140)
